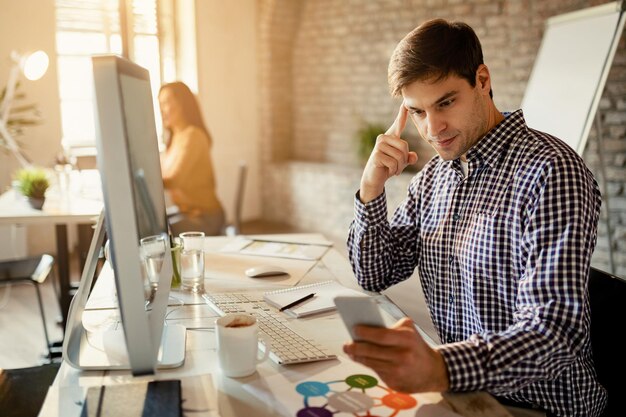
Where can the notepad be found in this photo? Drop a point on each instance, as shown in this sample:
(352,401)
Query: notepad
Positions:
(135,399)
(325,292)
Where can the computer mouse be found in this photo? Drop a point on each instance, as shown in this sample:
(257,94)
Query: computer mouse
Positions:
(262,271)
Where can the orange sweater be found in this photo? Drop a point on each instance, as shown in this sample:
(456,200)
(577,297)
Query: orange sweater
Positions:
(188,172)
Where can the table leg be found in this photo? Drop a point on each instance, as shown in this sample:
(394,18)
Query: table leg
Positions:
(63,267)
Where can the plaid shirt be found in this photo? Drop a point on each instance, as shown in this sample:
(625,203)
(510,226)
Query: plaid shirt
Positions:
(503,256)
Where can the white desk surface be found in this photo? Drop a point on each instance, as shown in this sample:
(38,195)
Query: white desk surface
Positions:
(80,204)
(73,208)
(264,393)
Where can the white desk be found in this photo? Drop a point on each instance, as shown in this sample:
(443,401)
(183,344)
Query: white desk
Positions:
(267,392)
(60,210)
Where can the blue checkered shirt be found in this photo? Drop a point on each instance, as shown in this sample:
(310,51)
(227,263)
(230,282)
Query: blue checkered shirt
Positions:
(503,256)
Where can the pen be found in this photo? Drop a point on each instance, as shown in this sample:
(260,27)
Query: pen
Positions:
(298,301)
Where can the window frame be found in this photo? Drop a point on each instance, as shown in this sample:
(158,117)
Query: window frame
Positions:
(163,18)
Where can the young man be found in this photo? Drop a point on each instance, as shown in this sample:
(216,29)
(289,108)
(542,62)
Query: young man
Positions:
(501,226)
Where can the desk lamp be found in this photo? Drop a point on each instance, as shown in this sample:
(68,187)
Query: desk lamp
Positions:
(33,66)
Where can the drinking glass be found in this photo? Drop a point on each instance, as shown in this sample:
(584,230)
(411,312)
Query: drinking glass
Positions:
(153,250)
(63,173)
(192,261)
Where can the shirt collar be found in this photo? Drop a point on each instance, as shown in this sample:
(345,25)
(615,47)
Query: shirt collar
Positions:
(488,149)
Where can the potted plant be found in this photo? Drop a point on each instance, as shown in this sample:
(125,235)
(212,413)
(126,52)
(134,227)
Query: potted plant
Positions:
(33,183)
(366,137)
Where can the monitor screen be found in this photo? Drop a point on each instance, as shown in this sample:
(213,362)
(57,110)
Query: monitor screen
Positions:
(144,158)
(135,219)
(147,187)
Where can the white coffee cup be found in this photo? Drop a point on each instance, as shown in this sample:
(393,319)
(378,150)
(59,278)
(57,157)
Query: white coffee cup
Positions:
(238,344)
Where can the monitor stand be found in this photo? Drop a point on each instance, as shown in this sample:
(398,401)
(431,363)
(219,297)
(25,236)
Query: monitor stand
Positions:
(97,347)
(113,353)
(106,350)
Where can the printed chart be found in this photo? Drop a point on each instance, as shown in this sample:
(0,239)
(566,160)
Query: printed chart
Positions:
(358,394)
(345,389)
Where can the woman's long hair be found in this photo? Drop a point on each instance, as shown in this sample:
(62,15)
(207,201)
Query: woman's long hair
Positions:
(190,109)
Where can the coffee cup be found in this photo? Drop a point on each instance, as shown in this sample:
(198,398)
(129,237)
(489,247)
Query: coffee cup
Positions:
(238,344)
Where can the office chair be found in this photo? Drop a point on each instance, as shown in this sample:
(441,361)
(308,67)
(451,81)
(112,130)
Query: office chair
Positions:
(33,270)
(607,295)
(23,391)
(234,228)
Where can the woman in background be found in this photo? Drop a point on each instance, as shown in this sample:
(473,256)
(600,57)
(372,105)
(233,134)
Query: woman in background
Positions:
(186,164)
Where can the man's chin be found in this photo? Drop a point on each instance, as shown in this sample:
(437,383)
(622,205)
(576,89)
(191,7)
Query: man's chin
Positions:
(446,156)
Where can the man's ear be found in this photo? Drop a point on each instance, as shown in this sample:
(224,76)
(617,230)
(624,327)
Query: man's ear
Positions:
(483,78)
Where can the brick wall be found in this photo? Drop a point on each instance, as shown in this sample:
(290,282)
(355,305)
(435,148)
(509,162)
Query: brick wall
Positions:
(324,73)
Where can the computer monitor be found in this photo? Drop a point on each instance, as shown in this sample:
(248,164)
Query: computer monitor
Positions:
(134,210)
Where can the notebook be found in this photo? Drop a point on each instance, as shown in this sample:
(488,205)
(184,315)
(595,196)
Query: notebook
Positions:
(138,399)
(324,291)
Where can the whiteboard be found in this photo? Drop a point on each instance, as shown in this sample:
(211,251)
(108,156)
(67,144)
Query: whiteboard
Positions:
(570,72)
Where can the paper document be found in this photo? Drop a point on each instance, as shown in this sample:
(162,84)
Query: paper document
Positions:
(345,389)
(232,267)
(304,238)
(278,249)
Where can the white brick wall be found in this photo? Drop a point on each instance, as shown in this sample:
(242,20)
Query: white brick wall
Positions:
(324,70)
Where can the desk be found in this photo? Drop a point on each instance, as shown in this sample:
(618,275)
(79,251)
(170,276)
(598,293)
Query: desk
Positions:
(61,211)
(258,394)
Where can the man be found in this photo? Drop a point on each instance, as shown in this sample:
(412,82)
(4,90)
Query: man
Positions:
(501,225)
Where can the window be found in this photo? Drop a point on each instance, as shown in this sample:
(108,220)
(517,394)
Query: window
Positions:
(124,27)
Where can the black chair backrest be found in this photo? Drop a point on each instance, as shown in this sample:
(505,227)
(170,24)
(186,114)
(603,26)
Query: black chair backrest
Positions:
(23,391)
(241,188)
(607,295)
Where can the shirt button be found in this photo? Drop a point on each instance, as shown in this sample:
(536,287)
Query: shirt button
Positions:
(456,217)
(451,258)
(451,299)
(450,340)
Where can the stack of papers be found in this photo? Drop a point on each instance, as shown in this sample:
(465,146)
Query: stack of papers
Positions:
(280,249)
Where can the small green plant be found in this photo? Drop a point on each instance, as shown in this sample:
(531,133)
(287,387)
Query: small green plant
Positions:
(33,182)
(367,135)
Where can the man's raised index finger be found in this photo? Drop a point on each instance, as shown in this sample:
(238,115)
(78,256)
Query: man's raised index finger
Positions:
(398,125)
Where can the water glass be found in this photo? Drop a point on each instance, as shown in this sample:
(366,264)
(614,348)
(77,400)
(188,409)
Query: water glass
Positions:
(153,250)
(63,173)
(192,261)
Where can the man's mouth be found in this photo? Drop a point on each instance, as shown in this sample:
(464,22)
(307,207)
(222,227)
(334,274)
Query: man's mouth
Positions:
(442,143)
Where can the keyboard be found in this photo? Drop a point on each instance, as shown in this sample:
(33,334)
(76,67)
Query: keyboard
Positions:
(288,347)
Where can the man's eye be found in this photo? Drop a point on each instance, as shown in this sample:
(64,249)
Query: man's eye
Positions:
(446,103)
(416,112)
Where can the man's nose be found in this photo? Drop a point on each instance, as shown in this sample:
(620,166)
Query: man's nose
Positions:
(435,124)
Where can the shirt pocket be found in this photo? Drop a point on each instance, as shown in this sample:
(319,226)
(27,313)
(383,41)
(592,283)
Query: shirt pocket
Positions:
(486,245)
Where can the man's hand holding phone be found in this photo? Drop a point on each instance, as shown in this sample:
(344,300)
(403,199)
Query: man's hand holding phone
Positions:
(398,354)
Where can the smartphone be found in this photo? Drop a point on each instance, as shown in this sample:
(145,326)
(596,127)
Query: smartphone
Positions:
(359,310)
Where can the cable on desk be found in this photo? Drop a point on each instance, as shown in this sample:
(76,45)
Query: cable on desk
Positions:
(207,329)
(87,336)
(5,296)
(178,300)
(190,410)
(170,312)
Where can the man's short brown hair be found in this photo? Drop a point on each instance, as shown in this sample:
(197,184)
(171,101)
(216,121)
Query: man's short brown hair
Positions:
(434,50)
